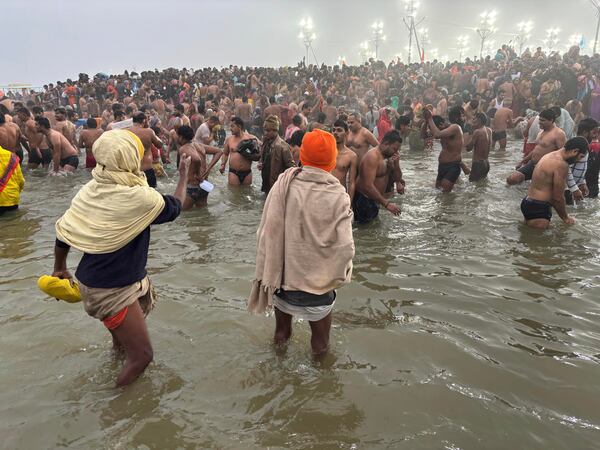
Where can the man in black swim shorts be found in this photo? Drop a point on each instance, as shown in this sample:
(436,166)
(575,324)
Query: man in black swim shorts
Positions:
(240,167)
(548,183)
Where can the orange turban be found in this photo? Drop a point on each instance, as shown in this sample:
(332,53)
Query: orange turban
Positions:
(319,150)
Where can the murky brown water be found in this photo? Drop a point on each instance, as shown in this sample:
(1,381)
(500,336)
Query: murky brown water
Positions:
(461,329)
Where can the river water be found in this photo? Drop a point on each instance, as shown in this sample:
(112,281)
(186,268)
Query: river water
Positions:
(461,329)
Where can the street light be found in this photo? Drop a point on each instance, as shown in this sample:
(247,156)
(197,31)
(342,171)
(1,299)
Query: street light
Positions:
(411,7)
(463,46)
(596,5)
(307,35)
(575,39)
(551,40)
(524,30)
(424,40)
(365,51)
(486,27)
(341,61)
(378,36)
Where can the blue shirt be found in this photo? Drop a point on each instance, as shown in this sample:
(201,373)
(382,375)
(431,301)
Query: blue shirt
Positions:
(127,265)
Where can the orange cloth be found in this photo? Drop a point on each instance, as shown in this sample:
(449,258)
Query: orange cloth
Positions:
(115,321)
(319,150)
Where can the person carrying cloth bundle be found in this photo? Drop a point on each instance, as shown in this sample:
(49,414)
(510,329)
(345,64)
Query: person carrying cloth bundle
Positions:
(109,221)
(11,181)
(305,246)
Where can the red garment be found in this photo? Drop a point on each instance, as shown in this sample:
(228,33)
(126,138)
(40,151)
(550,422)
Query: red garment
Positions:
(595,147)
(384,124)
(528,147)
(90,161)
(115,321)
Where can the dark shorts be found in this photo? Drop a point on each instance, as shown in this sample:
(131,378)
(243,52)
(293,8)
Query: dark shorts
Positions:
(45,159)
(19,153)
(241,174)
(536,209)
(150,177)
(498,135)
(479,170)
(306,299)
(448,171)
(4,209)
(196,193)
(365,209)
(527,170)
(72,161)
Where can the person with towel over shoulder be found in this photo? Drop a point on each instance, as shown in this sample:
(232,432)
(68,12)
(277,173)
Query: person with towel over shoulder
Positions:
(109,221)
(305,245)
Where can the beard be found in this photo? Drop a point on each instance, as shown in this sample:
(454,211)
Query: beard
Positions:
(572,160)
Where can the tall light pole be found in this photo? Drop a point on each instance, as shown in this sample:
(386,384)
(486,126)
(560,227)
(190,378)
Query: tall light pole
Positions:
(365,51)
(524,30)
(307,35)
(411,7)
(423,34)
(486,27)
(378,36)
(551,40)
(463,46)
(596,5)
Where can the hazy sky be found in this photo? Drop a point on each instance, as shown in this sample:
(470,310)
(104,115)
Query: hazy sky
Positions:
(49,40)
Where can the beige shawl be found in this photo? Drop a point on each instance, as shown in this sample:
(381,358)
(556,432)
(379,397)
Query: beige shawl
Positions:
(117,204)
(304,238)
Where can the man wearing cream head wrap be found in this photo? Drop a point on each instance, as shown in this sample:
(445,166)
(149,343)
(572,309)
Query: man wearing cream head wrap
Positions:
(109,221)
(305,245)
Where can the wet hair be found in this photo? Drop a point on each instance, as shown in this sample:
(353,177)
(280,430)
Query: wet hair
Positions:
(586,126)
(119,113)
(402,121)
(70,114)
(297,120)
(296,139)
(117,107)
(239,122)
(129,110)
(60,111)
(392,137)
(578,143)
(185,132)
(548,114)
(139,117)
(43,122)
(91,123)
(179,107)
(37,110)
(557,111)
(213,119)
(482,118)
(244,99)
(271,100)
(321,117)
(438,121)
(474,104)
(340,124)
(455,113)
(23,110)
(2,119)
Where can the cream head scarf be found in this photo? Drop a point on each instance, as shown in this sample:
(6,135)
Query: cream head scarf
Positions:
(117,204)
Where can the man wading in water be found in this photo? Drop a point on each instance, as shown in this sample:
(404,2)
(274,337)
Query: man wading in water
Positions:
(548,184)
(305,245)
(109,221)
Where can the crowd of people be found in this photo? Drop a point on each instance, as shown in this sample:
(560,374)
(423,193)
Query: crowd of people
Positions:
(326,141)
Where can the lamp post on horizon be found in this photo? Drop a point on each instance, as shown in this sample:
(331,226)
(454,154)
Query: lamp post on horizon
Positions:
(378,36)
(365,51)
(307,35)
(423,34)
(411,7)
(486,27)
(596,5)
(463,42)
(524,30)
(551,40)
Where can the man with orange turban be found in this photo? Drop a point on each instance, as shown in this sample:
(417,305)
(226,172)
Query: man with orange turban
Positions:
(305,246)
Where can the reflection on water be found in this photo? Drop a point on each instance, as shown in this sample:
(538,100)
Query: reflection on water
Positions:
(460,324)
